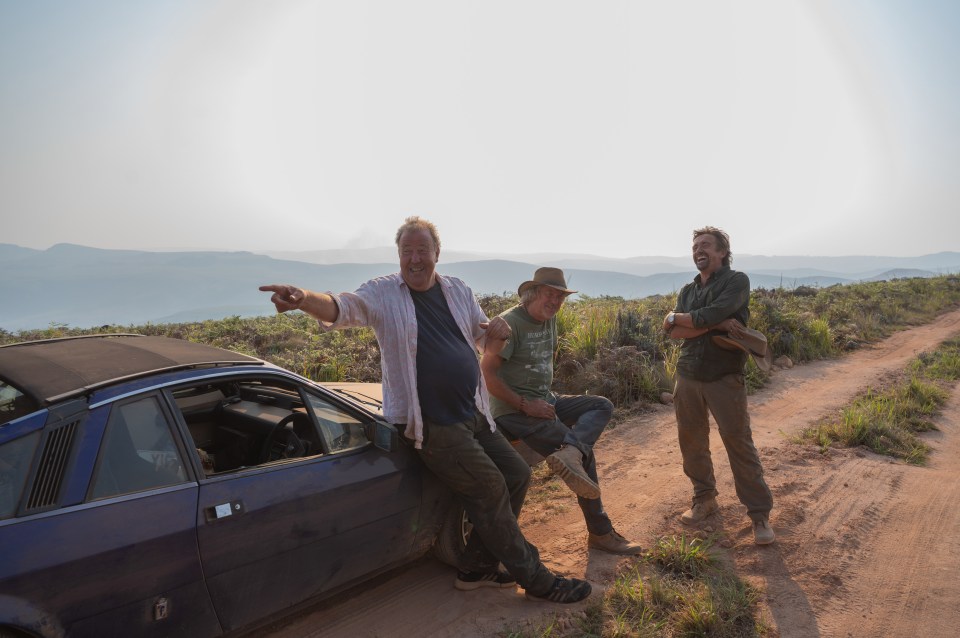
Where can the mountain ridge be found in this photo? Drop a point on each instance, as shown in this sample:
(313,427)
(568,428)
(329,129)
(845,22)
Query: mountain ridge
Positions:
(82,287)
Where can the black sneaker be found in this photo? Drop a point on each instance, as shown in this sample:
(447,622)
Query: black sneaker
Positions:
(564,590)
(468,581)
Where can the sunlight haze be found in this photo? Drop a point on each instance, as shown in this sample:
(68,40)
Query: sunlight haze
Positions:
(608,128)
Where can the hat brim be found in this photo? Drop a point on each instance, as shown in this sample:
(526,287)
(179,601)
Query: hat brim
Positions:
(527,284)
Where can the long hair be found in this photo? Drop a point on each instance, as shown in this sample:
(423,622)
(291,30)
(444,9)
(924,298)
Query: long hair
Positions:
(529,295)
(723,241)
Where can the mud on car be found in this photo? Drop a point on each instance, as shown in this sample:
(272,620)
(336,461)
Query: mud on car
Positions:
(157,487)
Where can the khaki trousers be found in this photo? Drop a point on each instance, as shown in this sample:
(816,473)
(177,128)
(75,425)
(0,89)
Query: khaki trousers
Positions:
(726,400)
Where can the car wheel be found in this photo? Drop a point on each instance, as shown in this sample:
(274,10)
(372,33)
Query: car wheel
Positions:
(454,534)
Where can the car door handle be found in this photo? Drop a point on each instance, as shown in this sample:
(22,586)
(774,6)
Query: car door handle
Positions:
(223,511)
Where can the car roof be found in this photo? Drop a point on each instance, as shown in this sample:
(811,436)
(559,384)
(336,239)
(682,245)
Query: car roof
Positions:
(54,369)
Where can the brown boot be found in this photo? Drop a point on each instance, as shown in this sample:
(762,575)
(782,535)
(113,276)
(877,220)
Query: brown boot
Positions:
(614,543)
(762,532)
(699,511)
(567,463)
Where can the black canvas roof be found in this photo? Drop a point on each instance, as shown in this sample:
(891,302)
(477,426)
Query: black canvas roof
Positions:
(53,368)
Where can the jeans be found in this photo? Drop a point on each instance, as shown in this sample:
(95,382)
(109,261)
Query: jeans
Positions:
(491,480)
(726,400)
(580,422)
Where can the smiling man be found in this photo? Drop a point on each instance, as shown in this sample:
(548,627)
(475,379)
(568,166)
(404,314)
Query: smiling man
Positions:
(710,381)
(519,375)
(429,328)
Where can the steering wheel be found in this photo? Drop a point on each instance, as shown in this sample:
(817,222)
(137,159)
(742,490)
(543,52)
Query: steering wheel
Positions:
(292,447)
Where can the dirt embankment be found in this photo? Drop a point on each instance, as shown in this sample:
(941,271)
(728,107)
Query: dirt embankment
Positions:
(865,545)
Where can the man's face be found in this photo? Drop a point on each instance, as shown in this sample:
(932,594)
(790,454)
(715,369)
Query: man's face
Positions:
(707,255)
(418,258)
(546,304)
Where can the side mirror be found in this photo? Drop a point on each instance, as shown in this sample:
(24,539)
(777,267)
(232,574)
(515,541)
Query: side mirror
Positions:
(384,436)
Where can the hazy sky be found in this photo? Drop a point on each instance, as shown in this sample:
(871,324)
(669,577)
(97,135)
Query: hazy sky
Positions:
(612,128)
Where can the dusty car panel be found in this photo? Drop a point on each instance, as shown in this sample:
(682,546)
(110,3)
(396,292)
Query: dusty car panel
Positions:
(169,489)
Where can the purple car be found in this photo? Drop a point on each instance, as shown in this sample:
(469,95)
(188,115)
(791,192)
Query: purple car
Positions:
(157,487)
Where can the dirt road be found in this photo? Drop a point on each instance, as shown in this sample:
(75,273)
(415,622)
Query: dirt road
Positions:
(866,546)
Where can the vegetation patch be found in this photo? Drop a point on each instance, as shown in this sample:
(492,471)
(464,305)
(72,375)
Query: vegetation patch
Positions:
(888,420)
(677,589)
(609,346)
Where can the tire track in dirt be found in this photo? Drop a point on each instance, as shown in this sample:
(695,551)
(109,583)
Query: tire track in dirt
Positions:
(909,586)
(854,529)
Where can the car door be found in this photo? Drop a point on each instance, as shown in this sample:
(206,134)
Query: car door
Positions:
(286,530)
(105,538)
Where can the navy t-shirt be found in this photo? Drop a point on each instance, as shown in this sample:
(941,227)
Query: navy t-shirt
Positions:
(447,368)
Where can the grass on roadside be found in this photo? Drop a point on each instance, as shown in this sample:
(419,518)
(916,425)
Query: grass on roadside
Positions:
(888,420)
(678,588)
(609,346)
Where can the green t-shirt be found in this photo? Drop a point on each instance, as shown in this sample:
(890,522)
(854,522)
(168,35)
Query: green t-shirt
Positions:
(528,358)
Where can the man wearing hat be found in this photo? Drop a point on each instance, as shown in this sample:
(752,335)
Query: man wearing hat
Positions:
(711,317)
(518,372)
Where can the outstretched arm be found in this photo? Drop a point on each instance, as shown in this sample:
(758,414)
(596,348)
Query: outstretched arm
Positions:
(318,305)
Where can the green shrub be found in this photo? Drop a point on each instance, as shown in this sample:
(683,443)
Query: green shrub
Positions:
(608,345)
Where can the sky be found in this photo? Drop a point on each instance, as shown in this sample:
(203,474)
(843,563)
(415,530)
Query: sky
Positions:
(610,128)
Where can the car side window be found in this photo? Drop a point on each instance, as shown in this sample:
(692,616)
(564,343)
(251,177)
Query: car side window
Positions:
(15,457)
(138,451)
(341,430)
(247,422)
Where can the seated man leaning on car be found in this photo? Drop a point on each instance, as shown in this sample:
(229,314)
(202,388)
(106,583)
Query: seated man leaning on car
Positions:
(429,327)
(519,375)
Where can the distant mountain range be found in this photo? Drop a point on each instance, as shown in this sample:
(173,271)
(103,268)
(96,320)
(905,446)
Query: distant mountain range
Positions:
(84,287)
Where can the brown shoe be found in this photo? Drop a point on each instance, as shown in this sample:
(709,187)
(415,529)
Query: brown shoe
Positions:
(762,532)
(614,543)
(699,511)
(567,463)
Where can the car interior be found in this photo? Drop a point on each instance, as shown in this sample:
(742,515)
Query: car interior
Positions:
(249,422)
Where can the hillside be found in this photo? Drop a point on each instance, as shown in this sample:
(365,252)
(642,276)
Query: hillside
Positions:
(85,287)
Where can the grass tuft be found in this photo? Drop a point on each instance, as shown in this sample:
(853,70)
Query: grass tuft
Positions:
(677,589)
(887,421)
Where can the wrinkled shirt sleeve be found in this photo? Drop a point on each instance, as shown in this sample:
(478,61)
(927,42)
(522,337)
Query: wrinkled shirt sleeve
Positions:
(354,311)
(734,295)
(385,305)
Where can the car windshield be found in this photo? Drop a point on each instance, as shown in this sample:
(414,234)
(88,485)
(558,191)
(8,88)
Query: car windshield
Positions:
(13,403)
(359,397)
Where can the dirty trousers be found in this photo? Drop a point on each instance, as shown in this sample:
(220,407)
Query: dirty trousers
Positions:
(726,400)
(491,480)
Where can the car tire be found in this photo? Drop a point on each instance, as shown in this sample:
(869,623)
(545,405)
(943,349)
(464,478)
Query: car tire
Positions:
(452,538)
